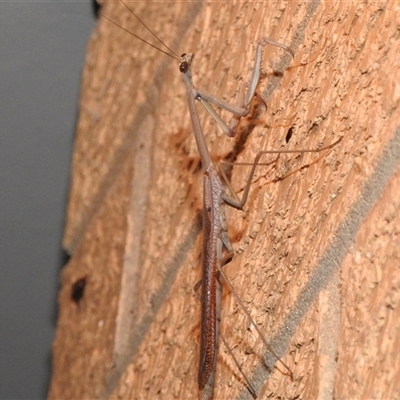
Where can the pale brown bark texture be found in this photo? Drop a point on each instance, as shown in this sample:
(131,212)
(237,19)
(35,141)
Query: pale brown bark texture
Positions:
(317,253)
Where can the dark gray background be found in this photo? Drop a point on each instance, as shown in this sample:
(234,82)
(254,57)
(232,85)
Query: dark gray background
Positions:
(42,45)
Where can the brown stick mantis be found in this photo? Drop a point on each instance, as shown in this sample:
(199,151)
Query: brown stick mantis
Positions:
(215,237)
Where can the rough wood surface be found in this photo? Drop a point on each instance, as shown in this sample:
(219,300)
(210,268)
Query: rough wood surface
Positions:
(317,253)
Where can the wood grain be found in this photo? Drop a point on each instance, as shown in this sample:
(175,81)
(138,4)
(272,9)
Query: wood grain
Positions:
(317,253)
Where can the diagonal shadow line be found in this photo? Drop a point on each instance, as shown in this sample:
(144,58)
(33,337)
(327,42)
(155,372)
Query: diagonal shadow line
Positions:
(286,58)
(332,258)
(123,153)
(157,300)
(180,254)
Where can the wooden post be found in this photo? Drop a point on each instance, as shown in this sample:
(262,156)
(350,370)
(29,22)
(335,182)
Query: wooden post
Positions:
(317,253)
